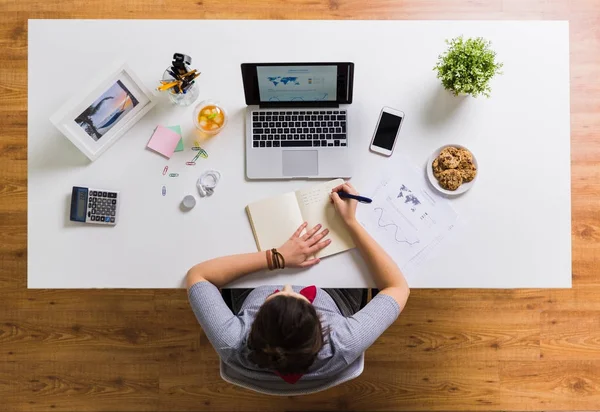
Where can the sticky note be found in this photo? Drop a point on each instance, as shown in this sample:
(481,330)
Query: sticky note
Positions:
(177,129)
(164,141)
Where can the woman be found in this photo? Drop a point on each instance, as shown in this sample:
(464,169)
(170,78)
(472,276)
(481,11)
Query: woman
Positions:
(295,340)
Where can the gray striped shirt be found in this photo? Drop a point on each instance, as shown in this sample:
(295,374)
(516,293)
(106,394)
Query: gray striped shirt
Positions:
(340,359)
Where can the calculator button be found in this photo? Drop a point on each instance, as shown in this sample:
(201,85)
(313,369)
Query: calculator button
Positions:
(94,193)
(107,219)
(94,211)
(115,195)
(104,194)
(93,218)
(112,220)
(102,218)
(112,213)
(114,202)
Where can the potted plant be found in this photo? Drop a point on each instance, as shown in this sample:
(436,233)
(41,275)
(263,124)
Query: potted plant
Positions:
(468,66)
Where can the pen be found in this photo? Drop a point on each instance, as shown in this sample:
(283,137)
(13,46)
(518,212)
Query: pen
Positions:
(361,199)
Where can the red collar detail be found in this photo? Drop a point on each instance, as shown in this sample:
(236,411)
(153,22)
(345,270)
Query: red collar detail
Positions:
(309,292)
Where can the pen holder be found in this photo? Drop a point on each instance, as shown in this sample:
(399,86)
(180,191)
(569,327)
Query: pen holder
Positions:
(182,99)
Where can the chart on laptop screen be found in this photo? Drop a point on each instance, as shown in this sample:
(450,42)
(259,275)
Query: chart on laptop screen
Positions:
(297,83)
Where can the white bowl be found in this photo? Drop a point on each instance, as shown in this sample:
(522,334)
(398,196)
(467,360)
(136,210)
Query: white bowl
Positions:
(434,182)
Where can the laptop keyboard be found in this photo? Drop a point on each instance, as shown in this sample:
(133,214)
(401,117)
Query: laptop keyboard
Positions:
(299,128)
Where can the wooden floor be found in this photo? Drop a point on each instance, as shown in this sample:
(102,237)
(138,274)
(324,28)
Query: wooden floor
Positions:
(120,350)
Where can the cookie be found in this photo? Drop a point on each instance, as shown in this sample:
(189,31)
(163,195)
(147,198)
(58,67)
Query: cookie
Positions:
(437,169)
(468,174)
(450,179)
(466,166)
(466,156)
(450,158)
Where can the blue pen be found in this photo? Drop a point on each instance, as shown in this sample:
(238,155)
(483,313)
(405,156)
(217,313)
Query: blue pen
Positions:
(361,199)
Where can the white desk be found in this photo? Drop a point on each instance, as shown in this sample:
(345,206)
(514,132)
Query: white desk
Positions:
(518,233)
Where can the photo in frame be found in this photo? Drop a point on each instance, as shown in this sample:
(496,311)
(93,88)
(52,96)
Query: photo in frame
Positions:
(98,116)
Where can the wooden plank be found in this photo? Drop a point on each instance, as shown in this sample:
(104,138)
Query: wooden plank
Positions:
(101,336)
(78,386)
(570,335)
(60,300)
(550,385)
(432,335)
(477,299)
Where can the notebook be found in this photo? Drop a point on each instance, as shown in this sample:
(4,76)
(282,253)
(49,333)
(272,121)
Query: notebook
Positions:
(275,219)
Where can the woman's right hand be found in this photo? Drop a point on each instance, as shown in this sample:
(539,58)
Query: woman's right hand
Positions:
(345,207)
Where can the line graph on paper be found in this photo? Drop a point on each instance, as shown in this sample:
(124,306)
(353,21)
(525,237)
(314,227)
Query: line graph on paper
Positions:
(393,227)
(405,217)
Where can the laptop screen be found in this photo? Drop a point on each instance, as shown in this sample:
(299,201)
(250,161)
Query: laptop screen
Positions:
(297,83)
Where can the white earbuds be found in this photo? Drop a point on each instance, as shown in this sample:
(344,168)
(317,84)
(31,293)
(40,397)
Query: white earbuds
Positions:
(207,182)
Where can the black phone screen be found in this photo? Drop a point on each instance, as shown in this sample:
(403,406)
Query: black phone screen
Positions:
(387,131)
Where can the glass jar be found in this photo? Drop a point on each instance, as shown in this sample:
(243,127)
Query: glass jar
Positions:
(210,117)
(182,99)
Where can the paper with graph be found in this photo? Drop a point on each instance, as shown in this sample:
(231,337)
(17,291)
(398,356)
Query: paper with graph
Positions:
(406,217)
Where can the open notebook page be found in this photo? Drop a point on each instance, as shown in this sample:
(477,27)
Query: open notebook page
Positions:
(274,220)
(316,207)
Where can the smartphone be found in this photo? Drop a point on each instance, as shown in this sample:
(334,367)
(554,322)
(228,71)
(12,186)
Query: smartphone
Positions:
(387,130)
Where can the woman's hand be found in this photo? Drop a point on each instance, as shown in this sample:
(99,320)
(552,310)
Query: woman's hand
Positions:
(345,207)
(297,250)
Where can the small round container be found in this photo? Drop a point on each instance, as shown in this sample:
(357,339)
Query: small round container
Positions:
(210,117)
(189,202)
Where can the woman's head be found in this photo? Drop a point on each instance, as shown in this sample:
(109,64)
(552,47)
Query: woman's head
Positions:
(286,335)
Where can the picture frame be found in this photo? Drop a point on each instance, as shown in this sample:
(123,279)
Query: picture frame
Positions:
(99,115)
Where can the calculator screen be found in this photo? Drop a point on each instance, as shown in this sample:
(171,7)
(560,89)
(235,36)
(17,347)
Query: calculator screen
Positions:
(81,209)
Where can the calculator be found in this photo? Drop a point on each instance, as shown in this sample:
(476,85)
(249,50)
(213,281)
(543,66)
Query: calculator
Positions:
(94,206)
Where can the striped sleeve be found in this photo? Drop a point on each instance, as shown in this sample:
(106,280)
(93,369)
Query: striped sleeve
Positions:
(220,325)
(354,335)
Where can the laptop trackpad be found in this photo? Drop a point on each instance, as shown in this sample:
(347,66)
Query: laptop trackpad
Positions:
(300,163)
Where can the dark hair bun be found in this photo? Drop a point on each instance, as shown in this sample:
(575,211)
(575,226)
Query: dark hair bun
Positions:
(275,355)
(286,335)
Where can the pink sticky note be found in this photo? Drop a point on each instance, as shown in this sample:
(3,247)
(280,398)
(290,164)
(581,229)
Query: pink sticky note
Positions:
(164,141)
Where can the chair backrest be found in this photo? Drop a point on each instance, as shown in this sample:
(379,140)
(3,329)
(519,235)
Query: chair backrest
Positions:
(282,388)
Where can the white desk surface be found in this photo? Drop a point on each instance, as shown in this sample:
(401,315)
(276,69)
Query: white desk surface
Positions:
(519,217)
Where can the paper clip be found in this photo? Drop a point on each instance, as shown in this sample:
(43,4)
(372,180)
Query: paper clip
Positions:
(190,163)
(165,170)
(196,148)
(173,174)
(164,190)
(201,153)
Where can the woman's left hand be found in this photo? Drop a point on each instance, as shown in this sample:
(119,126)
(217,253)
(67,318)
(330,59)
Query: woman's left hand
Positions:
(298,249)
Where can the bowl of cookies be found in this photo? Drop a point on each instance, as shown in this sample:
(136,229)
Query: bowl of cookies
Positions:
(452,169)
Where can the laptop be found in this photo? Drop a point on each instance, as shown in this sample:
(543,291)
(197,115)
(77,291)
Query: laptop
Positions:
(297,120)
